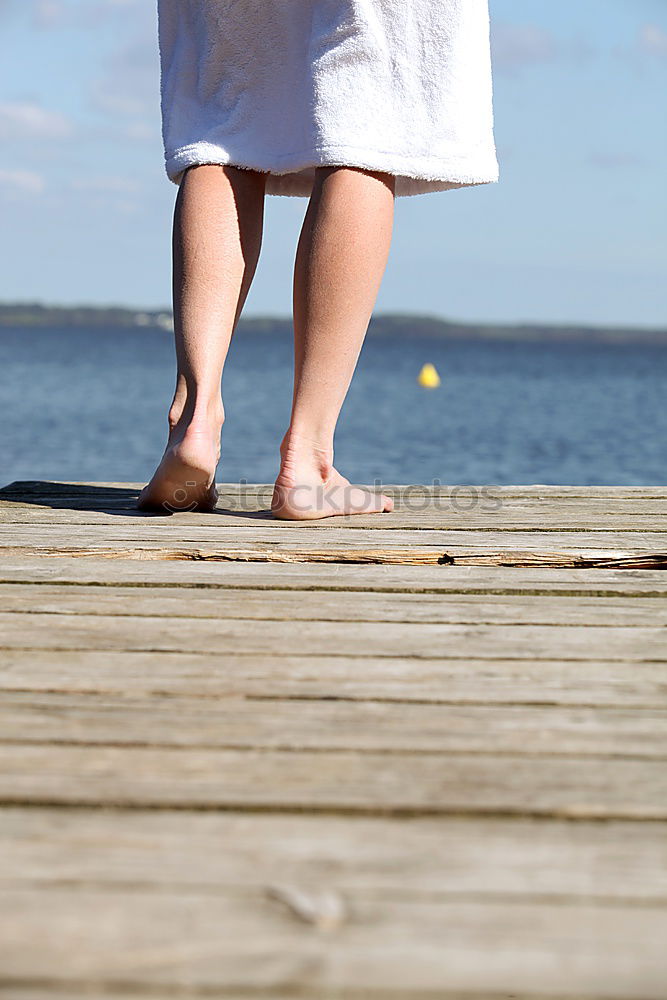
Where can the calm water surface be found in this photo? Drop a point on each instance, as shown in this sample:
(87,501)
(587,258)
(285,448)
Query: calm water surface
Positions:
(91,405)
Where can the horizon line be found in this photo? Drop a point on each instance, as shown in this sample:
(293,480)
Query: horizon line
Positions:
(287,317)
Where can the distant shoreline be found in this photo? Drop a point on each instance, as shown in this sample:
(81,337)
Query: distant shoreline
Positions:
(35,315)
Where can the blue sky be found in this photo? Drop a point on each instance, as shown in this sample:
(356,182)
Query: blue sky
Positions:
(574,231)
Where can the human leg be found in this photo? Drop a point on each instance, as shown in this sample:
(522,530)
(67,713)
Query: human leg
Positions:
(341,258)
(217,237)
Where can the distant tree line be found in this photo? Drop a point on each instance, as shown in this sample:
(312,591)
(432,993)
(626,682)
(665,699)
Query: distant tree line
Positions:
(36,314)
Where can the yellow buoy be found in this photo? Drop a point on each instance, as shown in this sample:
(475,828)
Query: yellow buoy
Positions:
(428,377)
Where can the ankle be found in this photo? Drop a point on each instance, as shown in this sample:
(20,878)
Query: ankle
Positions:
(206,414)
(307,442)
(301,454)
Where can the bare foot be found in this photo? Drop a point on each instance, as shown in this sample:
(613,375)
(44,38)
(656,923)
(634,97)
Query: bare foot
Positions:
(185,477)
(308,488)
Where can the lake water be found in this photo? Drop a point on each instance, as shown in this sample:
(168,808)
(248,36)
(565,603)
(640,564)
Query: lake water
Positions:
(91,405)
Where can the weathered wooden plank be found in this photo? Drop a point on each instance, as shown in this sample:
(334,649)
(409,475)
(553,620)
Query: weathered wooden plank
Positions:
(187,860)
(457,497)
(241,942)
(338,578)
(412,500)
(283,605)
(364,726)
(76,990)
(162,532)
(586,517)
(36,488)
(428,857)
(308,544)
(548,558)
(336,782)
(390,678)
(422,639)
(257,496)
(590,558)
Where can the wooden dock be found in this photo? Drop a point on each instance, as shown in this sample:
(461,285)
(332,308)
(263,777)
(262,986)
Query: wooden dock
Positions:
(402,757)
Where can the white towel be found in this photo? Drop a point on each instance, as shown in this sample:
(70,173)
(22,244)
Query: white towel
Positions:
(283,86)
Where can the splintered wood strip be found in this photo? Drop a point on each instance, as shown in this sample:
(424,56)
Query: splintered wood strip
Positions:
(420,858)
(410,557)
(364,726)
(559,560)
(250,637)
(269,578)
(629,560)
(345,782)
(596,683)
(289,605)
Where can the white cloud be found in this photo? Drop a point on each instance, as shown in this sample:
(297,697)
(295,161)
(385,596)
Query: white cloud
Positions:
(653,40)
(29,120)
(23,181)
